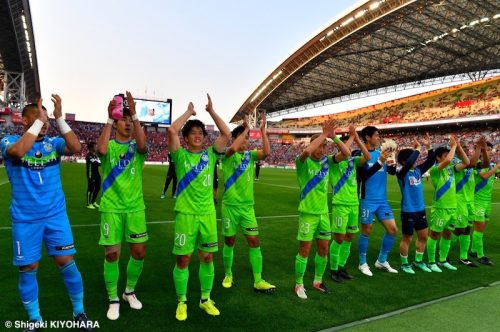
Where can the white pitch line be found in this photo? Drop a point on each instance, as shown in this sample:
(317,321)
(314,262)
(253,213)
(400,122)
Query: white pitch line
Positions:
(4,182)
(277,185)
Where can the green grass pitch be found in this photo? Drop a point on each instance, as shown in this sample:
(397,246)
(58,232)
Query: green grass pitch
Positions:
(276,201)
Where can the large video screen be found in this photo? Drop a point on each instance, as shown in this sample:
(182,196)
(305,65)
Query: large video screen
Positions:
(154,111)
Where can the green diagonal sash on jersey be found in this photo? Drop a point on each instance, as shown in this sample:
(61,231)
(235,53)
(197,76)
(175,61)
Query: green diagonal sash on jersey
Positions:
(316,179)
(444,188)
(193,173)
(119,168)
(344,177)
(464,180)
(482,184)
(239,171)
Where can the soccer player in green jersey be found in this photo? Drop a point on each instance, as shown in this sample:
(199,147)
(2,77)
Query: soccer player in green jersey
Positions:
(312,175)
(195,223)
(444,204)
(484,177)
(345,208)
(122,204)
(465,184)
(237,202)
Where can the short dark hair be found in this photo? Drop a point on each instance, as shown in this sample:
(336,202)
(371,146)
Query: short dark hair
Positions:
(192,124)
(368,131)
(31,107)
(489,144)
(90,145)
(403,155)
(237,131)
(441,150)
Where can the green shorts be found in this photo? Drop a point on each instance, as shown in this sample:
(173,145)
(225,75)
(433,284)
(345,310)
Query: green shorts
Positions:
(242,216)
(442,219)
(314,226)
(195,231)
(465,214)
(483,211)
(345,218)
(115,225)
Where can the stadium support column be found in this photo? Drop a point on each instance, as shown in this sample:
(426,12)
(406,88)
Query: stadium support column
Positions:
(14,90)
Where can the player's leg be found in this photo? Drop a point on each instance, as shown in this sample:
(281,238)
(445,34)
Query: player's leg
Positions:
(407,230)
(482,216)
(422,228)
(97,188)
(27,249)
(168,179)
(112,231)
(229,219)
(136,235)
(207,246)
(308,223)
(435,228)
(186,229)
(322,236)
(339,220)
(59,242)
(345,247)
(366,211)
(90,190)
(445,243)
(174,185)
(250,228)
(385,214)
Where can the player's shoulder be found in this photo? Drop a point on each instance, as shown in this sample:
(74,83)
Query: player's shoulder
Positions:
(9,139)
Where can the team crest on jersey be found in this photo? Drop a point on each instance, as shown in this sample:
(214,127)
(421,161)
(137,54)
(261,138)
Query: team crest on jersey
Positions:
(38,154)
(122,155)
(246,157)
(47,147)
(204,157)
(131,149)
(5,141)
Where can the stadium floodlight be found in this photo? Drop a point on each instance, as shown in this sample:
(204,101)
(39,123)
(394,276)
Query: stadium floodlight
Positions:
(374,5)
(464,27)
(485,19)
(346,22)
(435,38)
(474,23)
(360,13)
(496,16)
(277,74)
(454,30)
(329,33)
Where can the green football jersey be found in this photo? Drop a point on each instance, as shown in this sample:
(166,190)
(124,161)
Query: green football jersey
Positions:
(122,178)
(484,188)
(312,176)
(445,196)
(465,184)
(195,192)
(343,180)
(238,182)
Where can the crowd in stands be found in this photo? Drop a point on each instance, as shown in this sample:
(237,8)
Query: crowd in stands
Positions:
(469,99)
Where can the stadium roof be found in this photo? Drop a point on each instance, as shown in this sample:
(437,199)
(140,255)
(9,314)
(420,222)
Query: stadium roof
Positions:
(17,44)
(380,44)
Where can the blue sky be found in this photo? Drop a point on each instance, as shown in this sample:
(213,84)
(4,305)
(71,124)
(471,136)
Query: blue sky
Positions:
(89,50)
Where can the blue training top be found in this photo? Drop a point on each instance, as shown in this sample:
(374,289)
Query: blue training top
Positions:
(35,179)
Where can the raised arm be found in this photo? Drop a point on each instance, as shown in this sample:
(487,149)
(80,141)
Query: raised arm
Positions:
(463,156)
(73,144)
(431,157)
(487,174)
(266,147)
(235,145)
(225,134)
(477,152)
(173,131)
(103,140)
(446,161)
(140,136)
(366,154)
(328,129)
(24,144)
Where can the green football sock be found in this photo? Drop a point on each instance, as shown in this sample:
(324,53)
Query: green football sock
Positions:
(206,275)
(404,260)
(134,270)
(431,250)
(300,269)
(181,277)
(319,267)
(334,255)
(345,250)
(111,274)
(444,249)
(477,243)
(256,261)
(227,258)
(464,245)
(419,256)
(454,239)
